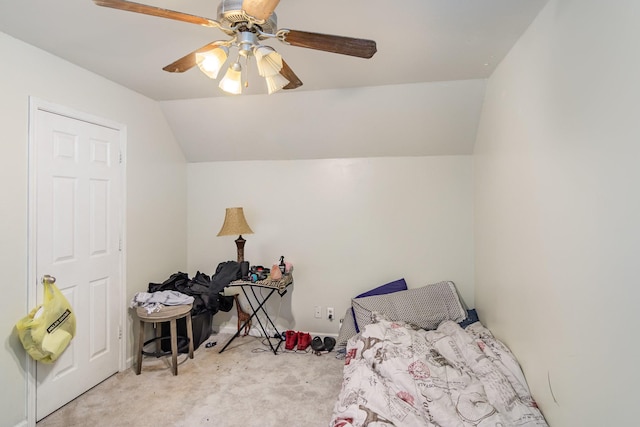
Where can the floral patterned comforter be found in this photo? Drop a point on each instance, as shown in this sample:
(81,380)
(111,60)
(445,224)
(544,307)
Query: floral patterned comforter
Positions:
(398,375)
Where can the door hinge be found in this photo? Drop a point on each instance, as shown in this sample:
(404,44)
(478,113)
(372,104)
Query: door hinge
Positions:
(119,332)
(120,244)
(120,157)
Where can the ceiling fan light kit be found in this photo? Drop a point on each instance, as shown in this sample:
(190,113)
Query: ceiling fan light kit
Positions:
(211,61)
(269,61)
(269,64)
(275,83)
(247,23)
(232,80)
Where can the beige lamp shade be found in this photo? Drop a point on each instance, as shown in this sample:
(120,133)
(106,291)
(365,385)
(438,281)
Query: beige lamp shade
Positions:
(234,223)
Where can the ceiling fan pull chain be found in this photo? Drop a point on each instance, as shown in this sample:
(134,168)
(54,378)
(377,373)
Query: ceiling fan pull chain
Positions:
(246,71)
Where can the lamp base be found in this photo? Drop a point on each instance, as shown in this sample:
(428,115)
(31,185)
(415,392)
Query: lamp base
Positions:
(240,246)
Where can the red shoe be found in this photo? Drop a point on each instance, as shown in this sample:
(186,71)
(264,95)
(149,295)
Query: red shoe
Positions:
(290,339)
(304,339)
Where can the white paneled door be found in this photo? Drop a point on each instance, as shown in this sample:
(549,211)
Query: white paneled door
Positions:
(78,241)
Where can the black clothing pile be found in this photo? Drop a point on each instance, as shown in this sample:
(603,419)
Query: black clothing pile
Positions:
(208,300)
(206,291)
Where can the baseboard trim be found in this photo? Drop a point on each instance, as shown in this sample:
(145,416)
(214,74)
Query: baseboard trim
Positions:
(129,362)
(23,423)
(256,332)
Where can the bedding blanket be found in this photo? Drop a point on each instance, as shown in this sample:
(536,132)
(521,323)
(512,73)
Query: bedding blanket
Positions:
(396,374)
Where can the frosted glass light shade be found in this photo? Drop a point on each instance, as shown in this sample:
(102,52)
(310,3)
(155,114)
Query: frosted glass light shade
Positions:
(211,61)
(275,83)
(232,80)
(269,61)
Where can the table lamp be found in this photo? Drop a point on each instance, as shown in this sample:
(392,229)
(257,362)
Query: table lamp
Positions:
(235,223)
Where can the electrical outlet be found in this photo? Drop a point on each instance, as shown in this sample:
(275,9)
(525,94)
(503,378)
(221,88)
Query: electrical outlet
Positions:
(318,313)
(330,313)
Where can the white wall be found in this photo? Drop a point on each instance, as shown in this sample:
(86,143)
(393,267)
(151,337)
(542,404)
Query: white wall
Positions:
(156,190)
(557,208)
(347,225)
(408,120)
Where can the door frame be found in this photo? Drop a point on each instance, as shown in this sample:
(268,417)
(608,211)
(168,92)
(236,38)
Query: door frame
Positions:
(35,105)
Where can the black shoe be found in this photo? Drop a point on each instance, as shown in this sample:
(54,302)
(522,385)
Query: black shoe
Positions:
(317,344)
(329,343)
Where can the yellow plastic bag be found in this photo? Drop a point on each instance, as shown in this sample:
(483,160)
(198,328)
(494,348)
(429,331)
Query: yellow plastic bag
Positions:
(47,330)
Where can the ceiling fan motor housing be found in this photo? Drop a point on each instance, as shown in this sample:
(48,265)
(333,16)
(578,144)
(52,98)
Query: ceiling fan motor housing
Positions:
(230,13)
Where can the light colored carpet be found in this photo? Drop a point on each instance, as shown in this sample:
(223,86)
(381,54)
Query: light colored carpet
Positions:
(245,386)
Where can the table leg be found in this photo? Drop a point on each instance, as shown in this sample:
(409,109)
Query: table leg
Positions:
(174,346)
(140,345)
(253,314)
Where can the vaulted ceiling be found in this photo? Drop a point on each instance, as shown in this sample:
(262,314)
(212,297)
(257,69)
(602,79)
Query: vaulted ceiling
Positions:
(430,54)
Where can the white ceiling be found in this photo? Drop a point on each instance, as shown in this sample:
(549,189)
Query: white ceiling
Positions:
(419,41)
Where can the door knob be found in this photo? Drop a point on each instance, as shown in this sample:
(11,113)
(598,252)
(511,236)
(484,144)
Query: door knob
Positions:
(48,279)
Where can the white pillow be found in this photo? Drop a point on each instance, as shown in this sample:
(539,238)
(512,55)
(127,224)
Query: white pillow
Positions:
(425,307)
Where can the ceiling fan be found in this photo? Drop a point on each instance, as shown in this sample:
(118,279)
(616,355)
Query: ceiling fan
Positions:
(247,23)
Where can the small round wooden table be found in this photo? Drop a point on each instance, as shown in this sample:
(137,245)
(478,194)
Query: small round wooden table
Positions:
(165,314)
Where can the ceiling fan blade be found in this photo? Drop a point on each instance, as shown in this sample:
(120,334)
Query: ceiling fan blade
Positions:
(189,60)
(361,48)
(156,11)
(287,73)
(259,9)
